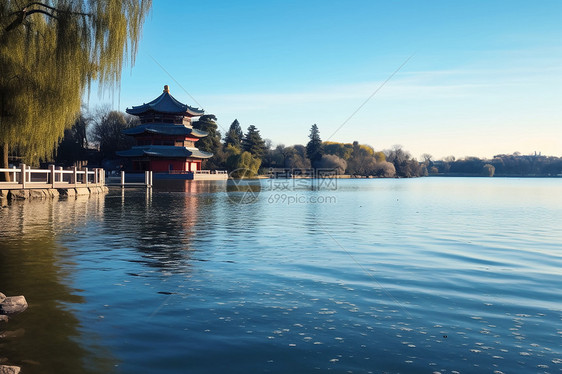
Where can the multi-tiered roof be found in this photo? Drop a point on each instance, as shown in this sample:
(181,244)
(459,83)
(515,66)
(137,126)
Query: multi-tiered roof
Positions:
(165,132)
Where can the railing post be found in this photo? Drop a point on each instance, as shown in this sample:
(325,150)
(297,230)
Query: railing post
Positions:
(61,177)
(14,173)
(23,175)
(122,179)
(74,175)
(151,178)
(146,178)
(53,175)
(85,177)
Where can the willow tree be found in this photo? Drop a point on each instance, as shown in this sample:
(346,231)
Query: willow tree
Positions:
(50,52)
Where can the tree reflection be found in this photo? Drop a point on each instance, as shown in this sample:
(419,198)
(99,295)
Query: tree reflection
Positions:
(33,263)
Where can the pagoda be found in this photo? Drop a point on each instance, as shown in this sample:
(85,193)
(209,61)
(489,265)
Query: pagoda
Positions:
(165,139)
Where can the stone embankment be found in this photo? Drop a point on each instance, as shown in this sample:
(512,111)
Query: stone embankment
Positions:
(9,306)
(7,195)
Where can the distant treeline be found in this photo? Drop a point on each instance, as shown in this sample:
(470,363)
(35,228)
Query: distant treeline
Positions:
(500,165)
(95,138)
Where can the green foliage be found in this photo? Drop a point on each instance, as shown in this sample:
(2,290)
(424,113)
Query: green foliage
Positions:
(232,150)
(314,149)
(250,163)
(231,155)
(234,135)
(379,156)
(354,159)
(48,58)
(211,143)
(243,165)
(361,161)
(342,150)
(253,142)
(345,150)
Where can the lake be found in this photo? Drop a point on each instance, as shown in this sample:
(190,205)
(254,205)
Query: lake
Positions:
(450,275)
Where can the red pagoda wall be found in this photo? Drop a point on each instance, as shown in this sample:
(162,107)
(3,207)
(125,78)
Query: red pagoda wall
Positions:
(164,166)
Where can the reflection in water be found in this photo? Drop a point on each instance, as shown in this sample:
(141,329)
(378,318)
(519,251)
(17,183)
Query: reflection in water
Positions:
(397,276)
(162,233)
(35,264)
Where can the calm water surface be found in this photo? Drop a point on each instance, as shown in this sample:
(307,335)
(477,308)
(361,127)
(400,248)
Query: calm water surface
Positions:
(399,276)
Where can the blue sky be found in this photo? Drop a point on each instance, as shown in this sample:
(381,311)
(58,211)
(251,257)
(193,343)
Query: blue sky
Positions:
(481,78)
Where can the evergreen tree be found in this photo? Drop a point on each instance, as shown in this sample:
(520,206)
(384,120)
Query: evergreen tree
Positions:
(212,142)
(234,135)
(49,53)
(253,142)
(314,149)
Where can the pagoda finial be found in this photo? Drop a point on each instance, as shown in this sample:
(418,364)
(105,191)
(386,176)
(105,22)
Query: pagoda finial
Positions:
(166,89)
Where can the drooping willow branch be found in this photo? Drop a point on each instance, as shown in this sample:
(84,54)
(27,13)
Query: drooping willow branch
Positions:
(48,60)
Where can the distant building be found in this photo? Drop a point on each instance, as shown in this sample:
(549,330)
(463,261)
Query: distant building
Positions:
(165,139)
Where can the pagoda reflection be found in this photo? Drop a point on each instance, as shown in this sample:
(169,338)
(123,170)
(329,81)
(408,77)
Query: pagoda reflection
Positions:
(163,223)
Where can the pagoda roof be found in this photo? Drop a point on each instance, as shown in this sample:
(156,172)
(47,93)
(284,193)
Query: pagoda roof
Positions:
(164,129)
(166,103)
(163,151)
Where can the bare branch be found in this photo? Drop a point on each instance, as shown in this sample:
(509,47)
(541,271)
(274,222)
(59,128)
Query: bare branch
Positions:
(42,12)
(22,14)
(57,10)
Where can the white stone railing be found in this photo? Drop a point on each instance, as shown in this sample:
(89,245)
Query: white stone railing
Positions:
(211,172)
(179,172)
(26,178)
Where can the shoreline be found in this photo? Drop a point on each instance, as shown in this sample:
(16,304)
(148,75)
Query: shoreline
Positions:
(9,195)
(10,306)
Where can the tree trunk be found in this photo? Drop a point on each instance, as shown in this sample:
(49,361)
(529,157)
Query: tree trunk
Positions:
(4,176)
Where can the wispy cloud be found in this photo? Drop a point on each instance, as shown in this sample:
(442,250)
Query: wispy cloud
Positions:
(426,85)
(423,110)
